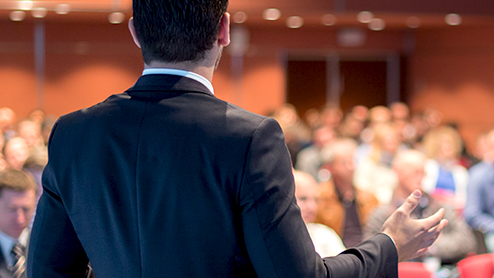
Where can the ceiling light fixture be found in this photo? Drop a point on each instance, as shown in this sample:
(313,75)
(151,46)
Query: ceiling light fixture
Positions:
(453,19)
(25,5)
(365,17)
(116,17)
(294,22)
(17,15)
(377,24)
(328,20)
(413,22)
(62,9)
(239,17)
(39,12)
(271,14)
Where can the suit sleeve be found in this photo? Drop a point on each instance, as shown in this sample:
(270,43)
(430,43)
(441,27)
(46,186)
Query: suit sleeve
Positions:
(54,249)
(275,235)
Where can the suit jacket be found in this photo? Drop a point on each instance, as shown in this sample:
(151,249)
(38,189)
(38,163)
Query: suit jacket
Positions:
(166,180)
(4,269)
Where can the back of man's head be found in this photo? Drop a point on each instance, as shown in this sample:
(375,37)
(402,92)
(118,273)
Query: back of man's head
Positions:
(177,31)
(15,180)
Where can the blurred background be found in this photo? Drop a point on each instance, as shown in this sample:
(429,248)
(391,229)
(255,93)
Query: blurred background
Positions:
(60,56)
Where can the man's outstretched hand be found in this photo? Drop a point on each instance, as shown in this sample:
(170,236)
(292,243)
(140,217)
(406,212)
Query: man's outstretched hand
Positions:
(413,236)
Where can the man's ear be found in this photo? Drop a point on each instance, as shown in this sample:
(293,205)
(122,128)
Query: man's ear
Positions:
(224,35)
(132,30)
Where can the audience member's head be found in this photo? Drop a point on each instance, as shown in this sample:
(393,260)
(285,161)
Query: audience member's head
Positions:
(17,201)
(339,159)
(386,141)
(31,133)
(443,144)
(360,113)
(7,119)
(16,152)
(379,114)
(323,135)
(306,193)
(177,37)
(331,115)
(399,111)
(409,166)
(37,116)
(351,126)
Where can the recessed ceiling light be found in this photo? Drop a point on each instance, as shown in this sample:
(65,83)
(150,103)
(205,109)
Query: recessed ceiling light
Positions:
(413,22)
(25,5)
(63,8)
(294,22)
(116,17)
(453,19)
(239,17)
(365,17)
(39,12)
(271,14)
(328,20)
(377,24)
(17,15)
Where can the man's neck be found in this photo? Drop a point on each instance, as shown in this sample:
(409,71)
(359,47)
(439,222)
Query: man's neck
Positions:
(204,71)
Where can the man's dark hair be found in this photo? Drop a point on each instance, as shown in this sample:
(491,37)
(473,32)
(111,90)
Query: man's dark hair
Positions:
(177,30)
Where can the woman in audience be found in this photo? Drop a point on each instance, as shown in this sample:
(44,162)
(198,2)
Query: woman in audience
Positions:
(446,179)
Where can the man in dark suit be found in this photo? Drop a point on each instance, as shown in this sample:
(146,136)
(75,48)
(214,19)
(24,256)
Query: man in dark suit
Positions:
(17,204)
(165,180)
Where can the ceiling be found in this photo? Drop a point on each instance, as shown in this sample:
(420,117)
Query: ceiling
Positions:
(394,13)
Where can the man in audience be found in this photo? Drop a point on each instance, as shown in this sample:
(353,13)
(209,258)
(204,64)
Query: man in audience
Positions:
(309,159)
(456,241)
(167,180)
(326,241)
(479,207)
(343,207)
(17,204)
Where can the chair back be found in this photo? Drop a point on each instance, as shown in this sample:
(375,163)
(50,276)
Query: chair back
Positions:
(413,270)
(478,266)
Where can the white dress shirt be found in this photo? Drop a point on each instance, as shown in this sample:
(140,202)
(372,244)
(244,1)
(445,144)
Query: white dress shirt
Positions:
(184,73)
(7,242)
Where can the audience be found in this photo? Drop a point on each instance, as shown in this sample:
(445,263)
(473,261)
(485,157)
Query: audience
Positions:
(360,160)
(456,240)
(343,207)
(326,241)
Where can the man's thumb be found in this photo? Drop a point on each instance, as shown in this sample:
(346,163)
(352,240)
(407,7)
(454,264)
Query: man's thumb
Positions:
(411,202)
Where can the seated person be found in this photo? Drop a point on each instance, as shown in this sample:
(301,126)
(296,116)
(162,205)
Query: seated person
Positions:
(326,241)
(456,241)
(342,206)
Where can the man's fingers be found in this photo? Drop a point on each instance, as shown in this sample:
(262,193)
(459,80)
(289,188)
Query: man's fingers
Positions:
(434,220)
(411,202)
(438,228)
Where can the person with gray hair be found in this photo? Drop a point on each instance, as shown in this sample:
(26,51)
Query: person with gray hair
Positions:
(456,241)
(342,206)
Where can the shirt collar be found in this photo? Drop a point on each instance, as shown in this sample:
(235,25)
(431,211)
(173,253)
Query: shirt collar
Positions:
(7,242)
(184,73)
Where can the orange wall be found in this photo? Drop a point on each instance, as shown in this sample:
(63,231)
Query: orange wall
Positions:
(454,73)
(451,69)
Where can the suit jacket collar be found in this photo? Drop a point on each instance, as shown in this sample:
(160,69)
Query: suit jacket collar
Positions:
(159,85)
